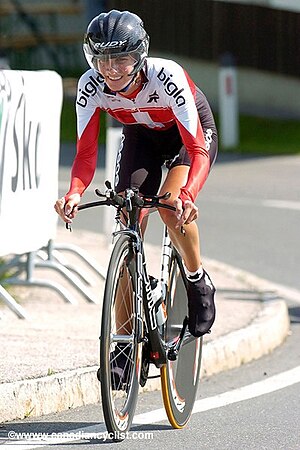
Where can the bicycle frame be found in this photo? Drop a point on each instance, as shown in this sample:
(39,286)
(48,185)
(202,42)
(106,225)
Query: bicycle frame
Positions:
(145,300)
(160,350)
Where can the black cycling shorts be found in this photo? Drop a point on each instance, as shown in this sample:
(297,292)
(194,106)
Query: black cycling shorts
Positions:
(144,152)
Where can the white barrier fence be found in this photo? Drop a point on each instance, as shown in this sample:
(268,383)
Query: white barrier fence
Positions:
(30,109)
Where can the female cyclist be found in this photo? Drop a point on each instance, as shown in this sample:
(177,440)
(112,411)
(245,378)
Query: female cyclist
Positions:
(166,120)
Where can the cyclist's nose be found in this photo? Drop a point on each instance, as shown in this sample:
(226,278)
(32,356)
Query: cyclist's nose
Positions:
(112,65)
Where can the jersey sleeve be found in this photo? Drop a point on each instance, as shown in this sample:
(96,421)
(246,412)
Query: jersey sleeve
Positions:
(187,119)
(84,165)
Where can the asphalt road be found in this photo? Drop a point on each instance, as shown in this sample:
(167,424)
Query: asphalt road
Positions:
(268,419)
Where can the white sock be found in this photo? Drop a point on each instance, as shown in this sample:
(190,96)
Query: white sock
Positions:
(194,276)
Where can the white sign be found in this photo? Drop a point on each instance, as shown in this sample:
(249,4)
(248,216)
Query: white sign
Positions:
(30,108)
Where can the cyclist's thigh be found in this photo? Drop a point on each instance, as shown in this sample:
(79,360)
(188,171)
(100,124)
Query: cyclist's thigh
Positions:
(175,179)
(138,162)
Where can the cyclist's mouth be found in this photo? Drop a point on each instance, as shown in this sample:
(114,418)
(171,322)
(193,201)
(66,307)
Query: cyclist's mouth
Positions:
(116,83)
(115,78)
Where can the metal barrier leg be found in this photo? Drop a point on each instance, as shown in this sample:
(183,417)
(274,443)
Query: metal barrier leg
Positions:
(46,284)
(60,259)
(50,258)
(12,304)
(51,264)
(29,266)
(101,271)
(69,276)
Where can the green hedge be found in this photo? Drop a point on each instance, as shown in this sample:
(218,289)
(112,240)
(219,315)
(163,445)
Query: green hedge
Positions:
(265,136)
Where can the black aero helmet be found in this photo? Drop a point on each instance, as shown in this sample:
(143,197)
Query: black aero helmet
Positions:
(116,33)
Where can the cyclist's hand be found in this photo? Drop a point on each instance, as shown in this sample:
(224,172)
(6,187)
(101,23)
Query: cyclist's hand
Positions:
(186,212)
(67,210)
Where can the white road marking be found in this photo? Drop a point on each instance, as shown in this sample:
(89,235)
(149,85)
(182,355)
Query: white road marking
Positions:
(253,390)
(283,204)
(271,384)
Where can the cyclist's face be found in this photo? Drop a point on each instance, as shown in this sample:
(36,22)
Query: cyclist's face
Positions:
(116,70)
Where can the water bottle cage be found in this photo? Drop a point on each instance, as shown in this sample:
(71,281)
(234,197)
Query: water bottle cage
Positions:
(160,308)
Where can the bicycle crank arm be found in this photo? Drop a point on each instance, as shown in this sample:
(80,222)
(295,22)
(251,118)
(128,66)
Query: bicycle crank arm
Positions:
(174,349)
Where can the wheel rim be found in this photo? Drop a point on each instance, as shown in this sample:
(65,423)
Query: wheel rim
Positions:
(119,337)
(179,378)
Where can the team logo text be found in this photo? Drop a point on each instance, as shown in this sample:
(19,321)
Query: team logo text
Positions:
(171,88)
(89,90)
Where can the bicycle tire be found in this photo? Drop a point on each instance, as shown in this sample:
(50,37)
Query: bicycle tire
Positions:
(179,378)
(119,402)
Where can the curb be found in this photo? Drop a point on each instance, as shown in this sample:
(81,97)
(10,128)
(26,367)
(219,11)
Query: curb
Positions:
(71,389)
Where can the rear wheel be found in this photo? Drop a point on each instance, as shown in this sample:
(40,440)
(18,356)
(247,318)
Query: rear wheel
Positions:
(179,378)
(120,347)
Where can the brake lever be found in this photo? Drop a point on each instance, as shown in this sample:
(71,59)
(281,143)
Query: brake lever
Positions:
(99,193)
(109,194)
(165,196)
(162,197)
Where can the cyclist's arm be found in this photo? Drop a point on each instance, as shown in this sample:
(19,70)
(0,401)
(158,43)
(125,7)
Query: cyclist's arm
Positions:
(200,164)
(85,161)
(84,164)
(187,119)
(83,168)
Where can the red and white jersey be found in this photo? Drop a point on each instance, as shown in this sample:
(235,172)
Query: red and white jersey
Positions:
(167,97)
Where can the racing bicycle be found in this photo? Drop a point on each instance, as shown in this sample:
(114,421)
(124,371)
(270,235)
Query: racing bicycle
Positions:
(131,326)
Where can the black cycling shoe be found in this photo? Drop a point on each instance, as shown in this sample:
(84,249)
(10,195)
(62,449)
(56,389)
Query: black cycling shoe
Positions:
(201,306)
(120,365)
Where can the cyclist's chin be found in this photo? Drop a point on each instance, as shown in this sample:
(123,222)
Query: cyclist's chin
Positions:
(117,85)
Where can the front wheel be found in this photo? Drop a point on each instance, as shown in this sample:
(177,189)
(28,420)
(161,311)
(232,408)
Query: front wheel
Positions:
(120,347)
(179,378)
